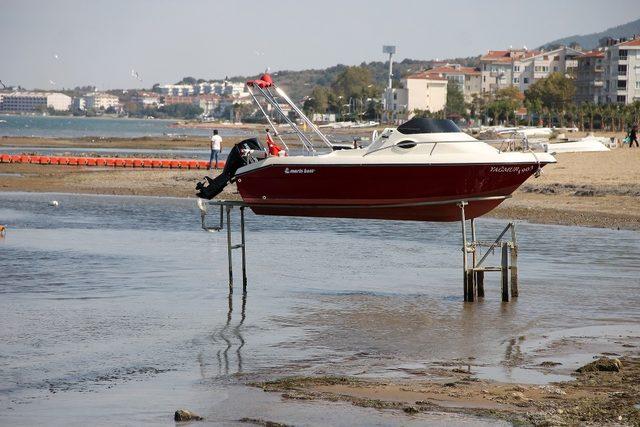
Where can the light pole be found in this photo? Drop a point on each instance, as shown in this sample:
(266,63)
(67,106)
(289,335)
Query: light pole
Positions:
(388,96)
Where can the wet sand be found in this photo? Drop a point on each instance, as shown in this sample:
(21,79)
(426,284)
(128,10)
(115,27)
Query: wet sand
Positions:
(600,398)
(587,189)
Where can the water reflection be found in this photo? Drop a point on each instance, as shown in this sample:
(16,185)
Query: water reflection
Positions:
(229,336)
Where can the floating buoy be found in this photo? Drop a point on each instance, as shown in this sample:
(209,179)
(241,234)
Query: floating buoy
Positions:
(54,203)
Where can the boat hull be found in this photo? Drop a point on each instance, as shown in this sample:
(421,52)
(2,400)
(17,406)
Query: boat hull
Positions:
(420,192)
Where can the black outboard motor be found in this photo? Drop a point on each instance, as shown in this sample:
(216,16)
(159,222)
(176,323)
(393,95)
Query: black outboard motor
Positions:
(210,188)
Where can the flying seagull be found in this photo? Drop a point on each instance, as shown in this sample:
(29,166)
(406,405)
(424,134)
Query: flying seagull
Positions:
(135,75)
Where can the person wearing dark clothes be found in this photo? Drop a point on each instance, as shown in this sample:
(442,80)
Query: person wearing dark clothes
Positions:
(633,136)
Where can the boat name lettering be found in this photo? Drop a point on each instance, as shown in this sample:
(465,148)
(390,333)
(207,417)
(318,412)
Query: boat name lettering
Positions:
(290,171)
(511,169)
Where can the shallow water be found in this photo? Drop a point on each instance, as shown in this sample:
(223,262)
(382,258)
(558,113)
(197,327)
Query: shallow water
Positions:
(112,304)
(79,127)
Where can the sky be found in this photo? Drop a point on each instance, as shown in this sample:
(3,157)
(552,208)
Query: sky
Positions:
(51,44)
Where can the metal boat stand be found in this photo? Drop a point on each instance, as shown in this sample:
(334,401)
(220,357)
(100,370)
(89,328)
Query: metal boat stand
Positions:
(226,206)
(472,258)
(473,275)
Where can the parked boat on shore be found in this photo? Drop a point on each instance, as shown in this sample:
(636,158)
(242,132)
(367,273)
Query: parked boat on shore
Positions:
(418,171)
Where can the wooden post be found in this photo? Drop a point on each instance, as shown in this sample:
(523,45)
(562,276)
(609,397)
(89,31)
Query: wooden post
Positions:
(514,262)
(229,249)
(470,297)
(480,283)
(505,272)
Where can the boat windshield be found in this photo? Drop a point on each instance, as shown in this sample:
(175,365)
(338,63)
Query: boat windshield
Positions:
(425,125)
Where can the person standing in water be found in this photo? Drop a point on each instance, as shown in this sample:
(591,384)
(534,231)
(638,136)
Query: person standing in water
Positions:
(216,143)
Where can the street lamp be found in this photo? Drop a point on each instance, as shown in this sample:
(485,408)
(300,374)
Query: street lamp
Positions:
(388,98)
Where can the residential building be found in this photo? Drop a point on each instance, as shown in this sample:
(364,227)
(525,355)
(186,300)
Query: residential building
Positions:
(79,103)
(622,81)
(177,90)
(521,67)
(208,102)
(35,101)
(146,99)
(420,91)
(590,77)
(100,101)
(221,88)
(467,79)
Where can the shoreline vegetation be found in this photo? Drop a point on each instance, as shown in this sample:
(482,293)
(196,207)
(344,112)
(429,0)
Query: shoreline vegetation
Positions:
(598,189)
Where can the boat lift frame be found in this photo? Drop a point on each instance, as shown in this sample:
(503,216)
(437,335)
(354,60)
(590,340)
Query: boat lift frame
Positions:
(472,258)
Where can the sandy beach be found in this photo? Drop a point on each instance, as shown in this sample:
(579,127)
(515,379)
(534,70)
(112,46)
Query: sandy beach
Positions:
(589,189)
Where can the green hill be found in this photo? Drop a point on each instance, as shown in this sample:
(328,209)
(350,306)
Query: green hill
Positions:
(590,41)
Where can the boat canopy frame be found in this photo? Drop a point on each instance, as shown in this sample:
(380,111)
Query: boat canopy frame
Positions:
(266,88)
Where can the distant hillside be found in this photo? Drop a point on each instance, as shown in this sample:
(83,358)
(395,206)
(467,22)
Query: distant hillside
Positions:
(299,84)
(590,41)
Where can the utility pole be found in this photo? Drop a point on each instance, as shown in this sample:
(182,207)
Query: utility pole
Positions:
(388,96)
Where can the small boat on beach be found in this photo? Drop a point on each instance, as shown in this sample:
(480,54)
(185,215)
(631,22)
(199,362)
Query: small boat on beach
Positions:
(421,170)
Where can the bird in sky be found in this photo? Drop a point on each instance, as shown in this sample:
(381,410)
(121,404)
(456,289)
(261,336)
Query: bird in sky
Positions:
(135,75)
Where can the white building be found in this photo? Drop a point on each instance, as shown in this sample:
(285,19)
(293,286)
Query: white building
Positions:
(100,101)
(521,67)
(146,99)
(420,91)
(467,79)
(622,74)
(177,90)
(221,88)
(35,101)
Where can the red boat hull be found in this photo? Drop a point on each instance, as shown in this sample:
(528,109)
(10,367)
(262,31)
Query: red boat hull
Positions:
(418,192)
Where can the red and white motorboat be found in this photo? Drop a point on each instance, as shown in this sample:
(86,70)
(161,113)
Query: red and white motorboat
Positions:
(421,170)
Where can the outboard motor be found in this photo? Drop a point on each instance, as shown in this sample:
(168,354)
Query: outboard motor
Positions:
(211,187)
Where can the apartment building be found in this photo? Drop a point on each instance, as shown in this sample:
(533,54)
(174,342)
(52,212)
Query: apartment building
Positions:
(100,101)
(467,79)
(177,90)
(420,91)
(622,80)
(521,67)
(221,88)
(590,77)
(35,101)
(146,99)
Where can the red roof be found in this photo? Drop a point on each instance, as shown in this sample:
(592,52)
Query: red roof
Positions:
(453,70)
(634,42)
(425,75)
(508,55)
(593,54)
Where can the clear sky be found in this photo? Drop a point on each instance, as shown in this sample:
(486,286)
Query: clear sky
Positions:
(53,44)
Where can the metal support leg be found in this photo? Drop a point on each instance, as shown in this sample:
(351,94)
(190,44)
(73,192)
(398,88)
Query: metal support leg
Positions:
(229,249)
(474,254)
(505,272)
(514,262)
(468,296)
(244,262)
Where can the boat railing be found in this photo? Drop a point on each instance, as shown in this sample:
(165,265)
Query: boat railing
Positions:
(263,87)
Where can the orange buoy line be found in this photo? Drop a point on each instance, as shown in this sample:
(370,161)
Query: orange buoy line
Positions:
(108,161)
